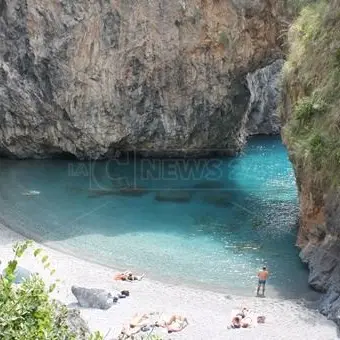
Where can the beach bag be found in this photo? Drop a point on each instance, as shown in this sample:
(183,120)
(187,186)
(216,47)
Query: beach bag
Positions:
(261,319)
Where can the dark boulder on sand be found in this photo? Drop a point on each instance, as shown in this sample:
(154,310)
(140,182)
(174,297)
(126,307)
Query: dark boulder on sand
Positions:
(93,298)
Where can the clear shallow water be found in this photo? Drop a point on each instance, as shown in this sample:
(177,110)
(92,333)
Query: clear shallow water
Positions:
(235,215)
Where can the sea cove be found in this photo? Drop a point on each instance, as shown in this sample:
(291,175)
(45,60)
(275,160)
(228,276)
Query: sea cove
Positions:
(204,222)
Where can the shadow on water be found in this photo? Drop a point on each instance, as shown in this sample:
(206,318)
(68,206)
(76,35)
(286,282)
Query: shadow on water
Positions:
(198,200)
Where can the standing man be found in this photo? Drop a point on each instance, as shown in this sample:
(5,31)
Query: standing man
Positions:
(263,276)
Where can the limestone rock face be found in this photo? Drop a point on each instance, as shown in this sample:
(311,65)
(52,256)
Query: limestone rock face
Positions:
(319,238)
(77,325)
(88,78)
(330,306)
(263,84)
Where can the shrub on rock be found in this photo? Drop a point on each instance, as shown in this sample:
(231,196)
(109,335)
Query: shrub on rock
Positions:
(26,310)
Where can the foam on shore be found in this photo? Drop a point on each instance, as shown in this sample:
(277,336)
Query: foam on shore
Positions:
(208,312)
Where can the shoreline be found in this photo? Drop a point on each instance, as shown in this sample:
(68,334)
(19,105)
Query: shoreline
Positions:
(310,296)
(69,251)
(209,313)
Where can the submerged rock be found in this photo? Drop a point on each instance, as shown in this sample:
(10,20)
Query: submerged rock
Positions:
(133,191)
(177,196)
(93,298)
(120,192)
(209,185)
(218,200)
(101,192)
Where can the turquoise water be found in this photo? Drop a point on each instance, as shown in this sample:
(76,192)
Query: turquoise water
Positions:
(222,219)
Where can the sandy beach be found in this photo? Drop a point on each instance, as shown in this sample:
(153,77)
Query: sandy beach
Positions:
(209,313)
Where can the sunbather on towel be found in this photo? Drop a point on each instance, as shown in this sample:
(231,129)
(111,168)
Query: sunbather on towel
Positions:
(238,322)
(120,276)
(128,276)
(175,323)
(127,334)
(139,321)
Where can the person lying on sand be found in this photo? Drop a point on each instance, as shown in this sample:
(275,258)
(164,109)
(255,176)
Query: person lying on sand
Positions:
(243,313)
(132,277)
(128,276)
(137,323)
(238,322)
(128,334)
(175,323)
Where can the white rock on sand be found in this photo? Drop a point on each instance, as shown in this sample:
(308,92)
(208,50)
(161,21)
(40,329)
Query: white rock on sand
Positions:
(208,313)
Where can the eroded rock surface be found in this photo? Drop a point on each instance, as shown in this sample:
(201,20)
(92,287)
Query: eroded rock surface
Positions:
(87,78)
(77,325)
(264,87)
(319,240)
(321,251)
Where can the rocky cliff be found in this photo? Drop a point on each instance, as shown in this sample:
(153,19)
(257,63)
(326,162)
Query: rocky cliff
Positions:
(310,113)
(87,78)
(264,88)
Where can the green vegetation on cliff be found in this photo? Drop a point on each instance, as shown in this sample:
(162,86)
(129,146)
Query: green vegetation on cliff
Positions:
(311,92)
(295,6)
(26,310)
